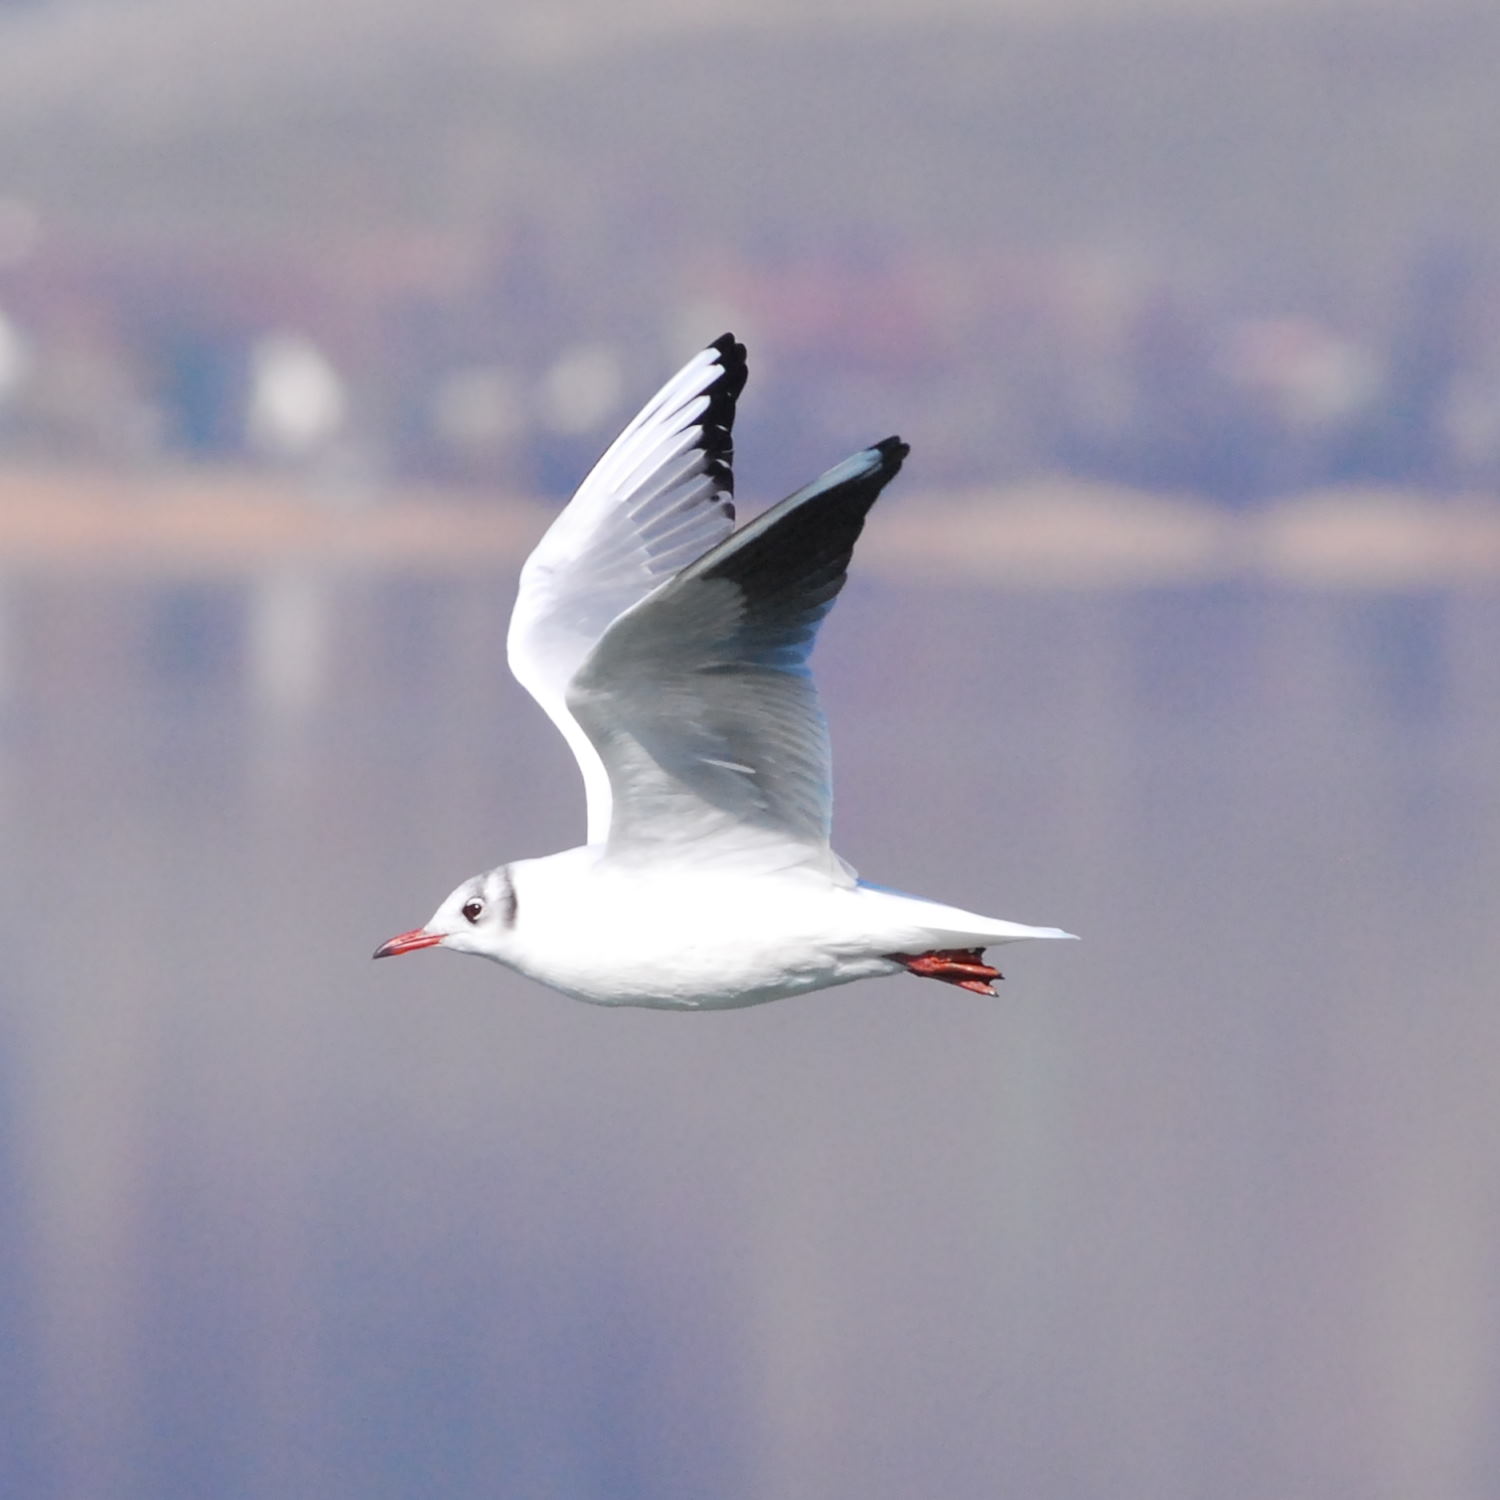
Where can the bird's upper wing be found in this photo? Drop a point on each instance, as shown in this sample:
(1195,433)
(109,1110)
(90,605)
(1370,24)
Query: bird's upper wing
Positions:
(698,699)
(660,497)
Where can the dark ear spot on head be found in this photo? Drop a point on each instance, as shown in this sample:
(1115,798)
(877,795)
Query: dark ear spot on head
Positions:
(507,899)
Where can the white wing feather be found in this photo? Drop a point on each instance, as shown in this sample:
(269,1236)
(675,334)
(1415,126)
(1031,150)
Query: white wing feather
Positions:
(658,499)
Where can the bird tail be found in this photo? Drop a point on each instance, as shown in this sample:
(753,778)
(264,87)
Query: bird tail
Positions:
(914,923)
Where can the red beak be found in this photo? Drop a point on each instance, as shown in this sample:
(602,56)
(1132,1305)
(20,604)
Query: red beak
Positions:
(408,942)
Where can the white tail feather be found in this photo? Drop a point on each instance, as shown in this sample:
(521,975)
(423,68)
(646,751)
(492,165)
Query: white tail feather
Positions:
(918,924)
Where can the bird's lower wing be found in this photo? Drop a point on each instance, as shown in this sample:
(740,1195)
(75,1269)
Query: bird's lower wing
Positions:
(698,700)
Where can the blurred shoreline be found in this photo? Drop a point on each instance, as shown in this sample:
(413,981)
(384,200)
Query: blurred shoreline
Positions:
(1049,532)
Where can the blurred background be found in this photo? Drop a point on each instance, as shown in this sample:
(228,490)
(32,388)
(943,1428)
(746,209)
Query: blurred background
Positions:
(1178,631)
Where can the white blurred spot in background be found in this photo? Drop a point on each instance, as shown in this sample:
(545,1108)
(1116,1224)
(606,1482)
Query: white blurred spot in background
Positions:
(1313,376)
(476,412)
(297,404)
(15,361)
(582,389)
(698,318)
(288,640)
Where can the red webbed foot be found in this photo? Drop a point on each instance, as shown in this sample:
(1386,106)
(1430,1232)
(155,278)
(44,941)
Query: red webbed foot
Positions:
(964,967)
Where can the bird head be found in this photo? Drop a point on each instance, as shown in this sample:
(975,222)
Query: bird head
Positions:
(476,918)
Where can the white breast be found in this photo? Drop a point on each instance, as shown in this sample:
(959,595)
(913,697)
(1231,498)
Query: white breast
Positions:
(684,939)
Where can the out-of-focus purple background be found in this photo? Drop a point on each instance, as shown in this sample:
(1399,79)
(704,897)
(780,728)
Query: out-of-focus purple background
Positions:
(1179,630)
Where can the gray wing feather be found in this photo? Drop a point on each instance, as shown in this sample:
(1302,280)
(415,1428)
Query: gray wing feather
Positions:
(698,699)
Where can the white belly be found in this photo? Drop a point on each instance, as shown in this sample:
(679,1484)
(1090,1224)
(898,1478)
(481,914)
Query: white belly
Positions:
(708,942)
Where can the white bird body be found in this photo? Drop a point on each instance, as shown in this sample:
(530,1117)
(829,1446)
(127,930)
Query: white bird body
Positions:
(678,942)
(707,939)
(671,650)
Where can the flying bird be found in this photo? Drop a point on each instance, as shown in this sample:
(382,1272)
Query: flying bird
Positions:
(670,649)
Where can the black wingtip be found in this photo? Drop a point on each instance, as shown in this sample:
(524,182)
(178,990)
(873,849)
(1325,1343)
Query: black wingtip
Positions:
(718,421)
(733,362)
(883,458)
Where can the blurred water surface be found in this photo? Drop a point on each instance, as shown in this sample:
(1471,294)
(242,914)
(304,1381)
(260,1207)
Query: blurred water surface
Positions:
(1206,1204)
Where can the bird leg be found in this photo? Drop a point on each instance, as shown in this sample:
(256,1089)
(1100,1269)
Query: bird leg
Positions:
(964,967)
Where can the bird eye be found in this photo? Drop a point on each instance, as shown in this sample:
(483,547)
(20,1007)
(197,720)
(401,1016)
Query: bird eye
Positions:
(473,910)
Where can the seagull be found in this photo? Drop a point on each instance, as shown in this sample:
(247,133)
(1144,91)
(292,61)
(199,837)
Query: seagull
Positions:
(671,650)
